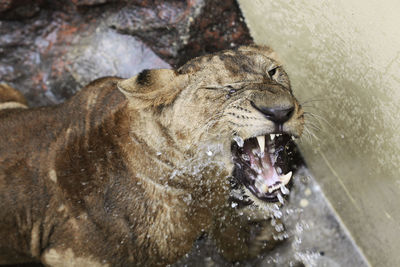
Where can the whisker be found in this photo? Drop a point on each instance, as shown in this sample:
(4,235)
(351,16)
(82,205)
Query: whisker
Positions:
(314,126)
(309,136)
(320,119)
(314,135)
(310,106)
(314,100)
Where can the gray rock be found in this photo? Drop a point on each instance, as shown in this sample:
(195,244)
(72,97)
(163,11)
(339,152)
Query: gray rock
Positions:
(163,25)
(107,53)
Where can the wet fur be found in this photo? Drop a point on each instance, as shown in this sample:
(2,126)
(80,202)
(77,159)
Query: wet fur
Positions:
(119,175)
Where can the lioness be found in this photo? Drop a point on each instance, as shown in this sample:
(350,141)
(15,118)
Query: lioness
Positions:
(133,171)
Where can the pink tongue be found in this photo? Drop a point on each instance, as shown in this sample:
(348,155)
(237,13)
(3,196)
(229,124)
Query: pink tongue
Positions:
(263,167)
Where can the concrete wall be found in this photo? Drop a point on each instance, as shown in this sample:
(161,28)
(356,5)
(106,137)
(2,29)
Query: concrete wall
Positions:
(343,57)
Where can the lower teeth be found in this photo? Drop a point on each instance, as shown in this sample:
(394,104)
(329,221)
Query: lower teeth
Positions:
(263,187)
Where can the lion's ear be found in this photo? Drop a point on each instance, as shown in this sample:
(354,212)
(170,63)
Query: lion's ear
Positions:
(153,87)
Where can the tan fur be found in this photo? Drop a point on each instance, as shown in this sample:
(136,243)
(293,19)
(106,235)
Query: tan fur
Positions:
(134,178)
(9,94)
(9,105)
(11,98)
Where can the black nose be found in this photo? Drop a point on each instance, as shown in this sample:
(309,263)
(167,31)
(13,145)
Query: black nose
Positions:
(276,114)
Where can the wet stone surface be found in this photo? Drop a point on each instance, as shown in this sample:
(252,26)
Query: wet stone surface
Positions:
(315,236)
(50,49)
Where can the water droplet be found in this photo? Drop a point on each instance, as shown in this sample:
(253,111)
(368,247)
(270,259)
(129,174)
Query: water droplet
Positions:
(284,190)
(280,198)
(303,203)
(234,204)
(277,213)
(258,170)
(238,165)
(187,199)
(279,170)
(245,157)
(279,228)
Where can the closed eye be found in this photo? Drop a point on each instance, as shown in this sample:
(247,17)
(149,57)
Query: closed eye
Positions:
(230,88)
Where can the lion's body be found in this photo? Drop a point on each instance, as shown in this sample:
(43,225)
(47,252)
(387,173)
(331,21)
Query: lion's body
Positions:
(108,179)
(69,165)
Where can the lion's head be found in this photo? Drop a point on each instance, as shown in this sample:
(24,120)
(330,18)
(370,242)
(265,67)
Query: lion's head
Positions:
(237,100)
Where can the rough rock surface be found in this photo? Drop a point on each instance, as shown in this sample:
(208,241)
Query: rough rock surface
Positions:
(179,30)
(107,53)
(50,49)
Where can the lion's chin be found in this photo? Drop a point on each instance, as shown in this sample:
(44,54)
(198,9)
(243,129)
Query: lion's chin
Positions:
(261,165)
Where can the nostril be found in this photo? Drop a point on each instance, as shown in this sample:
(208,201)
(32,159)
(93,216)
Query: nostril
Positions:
(276,114)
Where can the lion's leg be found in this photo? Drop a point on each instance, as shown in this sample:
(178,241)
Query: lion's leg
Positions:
(239,238)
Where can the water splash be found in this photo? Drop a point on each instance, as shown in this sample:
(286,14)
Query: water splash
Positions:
(284,190)
(280,198)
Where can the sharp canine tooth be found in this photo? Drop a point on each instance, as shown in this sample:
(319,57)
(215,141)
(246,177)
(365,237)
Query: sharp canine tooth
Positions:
(272,136)
(261,142)
(286,178)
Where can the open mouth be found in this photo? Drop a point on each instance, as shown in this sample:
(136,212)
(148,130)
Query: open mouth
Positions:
(261,165)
